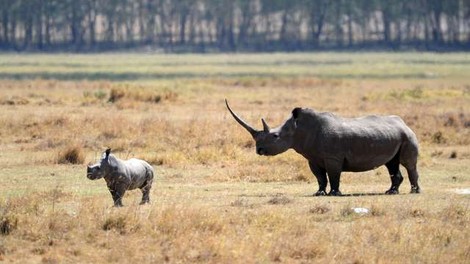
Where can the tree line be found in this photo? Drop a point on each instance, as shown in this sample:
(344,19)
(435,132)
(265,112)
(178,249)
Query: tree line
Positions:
(233,25)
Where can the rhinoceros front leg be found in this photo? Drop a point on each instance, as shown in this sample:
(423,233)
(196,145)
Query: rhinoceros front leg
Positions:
(333,170)
(320,174)
(117,194)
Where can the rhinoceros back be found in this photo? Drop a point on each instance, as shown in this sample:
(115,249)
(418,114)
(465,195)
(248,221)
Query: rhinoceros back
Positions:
(139,172)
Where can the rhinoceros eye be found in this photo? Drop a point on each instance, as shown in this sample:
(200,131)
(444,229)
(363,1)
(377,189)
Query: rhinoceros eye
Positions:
(276,136)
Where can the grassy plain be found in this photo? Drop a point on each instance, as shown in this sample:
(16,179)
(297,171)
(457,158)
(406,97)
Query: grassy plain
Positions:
(214,199)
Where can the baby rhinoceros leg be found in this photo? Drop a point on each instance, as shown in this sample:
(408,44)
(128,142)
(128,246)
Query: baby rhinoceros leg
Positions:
(146,192)
(117,194)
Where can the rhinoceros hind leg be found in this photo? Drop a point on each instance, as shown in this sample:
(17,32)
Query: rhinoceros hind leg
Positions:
(413,176)
(409,159)
(335,193)
(146,192)
(393,167)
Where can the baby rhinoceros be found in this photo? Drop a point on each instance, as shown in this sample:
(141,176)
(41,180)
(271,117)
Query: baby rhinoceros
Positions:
(122,175)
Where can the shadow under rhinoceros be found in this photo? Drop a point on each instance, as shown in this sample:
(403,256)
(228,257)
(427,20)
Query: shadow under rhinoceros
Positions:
(364,194)
(349,194)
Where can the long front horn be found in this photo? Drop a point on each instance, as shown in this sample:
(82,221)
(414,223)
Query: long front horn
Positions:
(250,129)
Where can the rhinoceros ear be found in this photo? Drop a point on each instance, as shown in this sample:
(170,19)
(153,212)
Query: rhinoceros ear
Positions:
(108,150)
(296,112)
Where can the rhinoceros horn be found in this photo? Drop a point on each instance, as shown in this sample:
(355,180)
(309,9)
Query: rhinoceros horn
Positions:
(265,126)
(249,128)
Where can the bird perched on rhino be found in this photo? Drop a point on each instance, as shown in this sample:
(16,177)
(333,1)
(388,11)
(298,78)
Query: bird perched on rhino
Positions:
(333,144)
(122,175)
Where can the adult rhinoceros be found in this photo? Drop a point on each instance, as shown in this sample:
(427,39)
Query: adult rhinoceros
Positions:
(122,175)
(333,144)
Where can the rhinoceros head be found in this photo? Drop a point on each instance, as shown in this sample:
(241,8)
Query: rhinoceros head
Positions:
(100,169)
(269,141)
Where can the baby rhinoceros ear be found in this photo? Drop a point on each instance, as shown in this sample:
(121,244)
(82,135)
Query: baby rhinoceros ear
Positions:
(108,150)
(296,112)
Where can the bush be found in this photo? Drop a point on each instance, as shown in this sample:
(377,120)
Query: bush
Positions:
(8,222)
(71,155)
(115,95)
(139,94)
(116,223)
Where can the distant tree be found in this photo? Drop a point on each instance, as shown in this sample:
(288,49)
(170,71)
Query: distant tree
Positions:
(6,22)
(435,7)
(452,20)
(75,16)
(230,25)
(247,14)
(221,12)
(466,19)
(91,18)
(318,10)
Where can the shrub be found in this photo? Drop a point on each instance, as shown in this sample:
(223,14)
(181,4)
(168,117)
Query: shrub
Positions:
(438,138)
(71,155)
(7,224)
(279,200)
(100,94)
(319,209)
(138,94)
(116,223)
(115,95)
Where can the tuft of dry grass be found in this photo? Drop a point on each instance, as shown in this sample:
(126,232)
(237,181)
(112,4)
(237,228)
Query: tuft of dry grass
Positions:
(140,94)
(8,223)
(279,200)
(115,223)
(320,209)
(72,154)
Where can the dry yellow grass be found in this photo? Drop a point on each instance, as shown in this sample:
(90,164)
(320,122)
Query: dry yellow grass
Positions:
(214,200)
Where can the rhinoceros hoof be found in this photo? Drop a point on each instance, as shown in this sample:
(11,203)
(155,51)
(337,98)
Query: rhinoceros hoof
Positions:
(335,193)
(392,191)
(118,205)
(415,190)
(320,193)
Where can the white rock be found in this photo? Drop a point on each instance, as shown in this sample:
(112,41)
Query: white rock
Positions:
(359,210)
(463,191)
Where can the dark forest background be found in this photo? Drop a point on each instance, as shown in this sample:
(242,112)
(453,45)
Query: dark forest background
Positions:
(238,25)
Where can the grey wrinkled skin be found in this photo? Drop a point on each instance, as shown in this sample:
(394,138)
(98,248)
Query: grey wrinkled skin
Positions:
(123,175)
(333,144)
